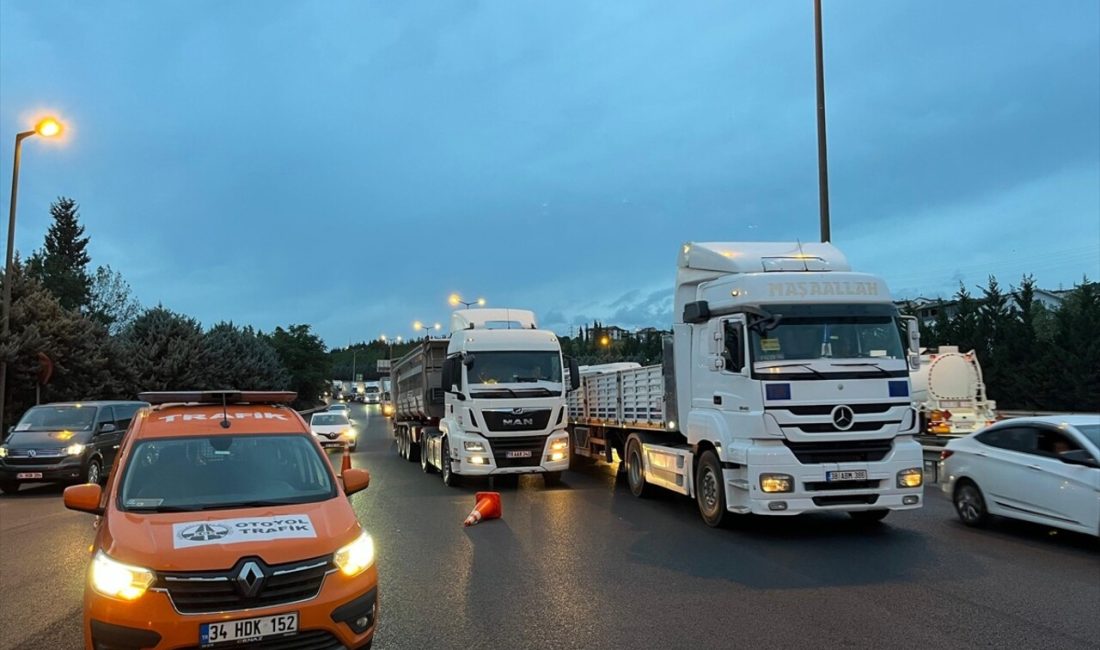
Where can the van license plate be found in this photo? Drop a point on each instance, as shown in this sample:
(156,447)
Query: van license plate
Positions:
(247,629)
(847,475)
(517,454)
(27,475)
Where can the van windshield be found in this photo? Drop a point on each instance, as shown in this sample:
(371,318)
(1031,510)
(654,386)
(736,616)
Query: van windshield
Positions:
(54,418)
(220,471)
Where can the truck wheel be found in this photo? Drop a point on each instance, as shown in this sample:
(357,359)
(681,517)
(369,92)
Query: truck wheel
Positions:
(551,479)
(425,466)
(710,492)
(445,471)
(399,434)
(869,516)
(412,449)
(635,475)
(9,487)
(406,442)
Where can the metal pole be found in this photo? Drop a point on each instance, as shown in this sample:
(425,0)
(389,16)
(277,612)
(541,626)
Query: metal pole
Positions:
(5,331)
(822,156)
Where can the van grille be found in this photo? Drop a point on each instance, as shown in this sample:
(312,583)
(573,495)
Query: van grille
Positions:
(219,591)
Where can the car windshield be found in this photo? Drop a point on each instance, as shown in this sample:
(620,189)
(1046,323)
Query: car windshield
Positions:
(829,332)
(53,418)
(221,471)
(329,419)
(514,367)
(1090,431)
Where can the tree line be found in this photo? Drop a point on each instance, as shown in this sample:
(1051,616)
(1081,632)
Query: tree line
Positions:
(102,344)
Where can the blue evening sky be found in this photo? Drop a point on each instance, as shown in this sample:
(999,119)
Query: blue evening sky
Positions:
(349,164)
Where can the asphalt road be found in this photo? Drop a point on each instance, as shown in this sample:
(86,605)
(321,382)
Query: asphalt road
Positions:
(586,565)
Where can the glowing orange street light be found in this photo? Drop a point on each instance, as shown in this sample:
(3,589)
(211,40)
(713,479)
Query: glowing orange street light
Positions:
(48,127)
(604,341)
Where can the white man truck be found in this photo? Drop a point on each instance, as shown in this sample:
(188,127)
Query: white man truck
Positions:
(949,393)
(488,400)
(784,390)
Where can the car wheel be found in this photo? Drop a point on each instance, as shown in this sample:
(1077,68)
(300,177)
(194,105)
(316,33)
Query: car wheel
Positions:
(9,487)
(710,493)
(635,475)
(425,466)
(94,474)
(970,505)
(445,471)
(868,516)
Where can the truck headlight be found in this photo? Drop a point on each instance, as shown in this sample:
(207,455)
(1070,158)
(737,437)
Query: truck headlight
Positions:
(119,580)
(473,445)
(74,449)
(772,483)
(560,445)
(911,478)
(354,558)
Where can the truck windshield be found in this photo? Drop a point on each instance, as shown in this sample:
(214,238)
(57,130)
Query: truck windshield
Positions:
(53,418)
(220,471)
(537,367)
(808,332)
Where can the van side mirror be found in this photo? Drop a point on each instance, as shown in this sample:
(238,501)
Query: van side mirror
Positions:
(84,498)
(574,373)
(107,427)
(356,479)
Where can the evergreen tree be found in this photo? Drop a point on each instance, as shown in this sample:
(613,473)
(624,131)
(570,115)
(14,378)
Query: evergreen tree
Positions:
(62,264)
(305,359)
(240,359)
(165,351)
(110,302)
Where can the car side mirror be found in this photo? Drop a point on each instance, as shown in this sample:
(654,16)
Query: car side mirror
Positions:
(1078,457)
(84,498)
(355,480)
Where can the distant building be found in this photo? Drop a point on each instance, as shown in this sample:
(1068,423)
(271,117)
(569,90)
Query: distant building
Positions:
(927,310)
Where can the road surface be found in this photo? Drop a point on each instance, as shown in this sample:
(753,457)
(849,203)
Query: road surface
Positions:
(586,565)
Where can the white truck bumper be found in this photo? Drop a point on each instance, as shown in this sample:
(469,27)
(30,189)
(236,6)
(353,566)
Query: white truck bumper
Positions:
(552,457)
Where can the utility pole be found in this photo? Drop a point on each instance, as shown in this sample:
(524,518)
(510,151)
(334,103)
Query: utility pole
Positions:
(822,156)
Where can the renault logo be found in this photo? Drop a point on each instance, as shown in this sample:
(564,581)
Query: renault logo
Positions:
(250,579)
(843,417)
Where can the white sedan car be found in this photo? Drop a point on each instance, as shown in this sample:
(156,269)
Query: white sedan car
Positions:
(333,429)
(1040,469)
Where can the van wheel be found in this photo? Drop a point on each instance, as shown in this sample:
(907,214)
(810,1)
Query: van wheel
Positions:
(970,505)
(868,516)
(445,471)
(710,492)
(9,487)
(635,475)
(425,466)
(93,474)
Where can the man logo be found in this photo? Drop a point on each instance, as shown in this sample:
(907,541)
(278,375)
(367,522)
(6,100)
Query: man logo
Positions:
(843,417)
(250,579)
(519,422)
(204,532)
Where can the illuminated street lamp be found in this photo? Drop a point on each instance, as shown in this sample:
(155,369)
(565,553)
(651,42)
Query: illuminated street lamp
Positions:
(47,127)
(605,341)
(422,327)
(455,300)
(390,342)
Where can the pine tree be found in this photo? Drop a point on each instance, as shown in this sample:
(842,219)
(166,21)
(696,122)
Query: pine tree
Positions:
(62,264)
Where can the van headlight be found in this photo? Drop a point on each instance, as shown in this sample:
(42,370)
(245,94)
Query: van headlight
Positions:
(74,449)
(119,580)
(911,478)
(354,558)
(3,452)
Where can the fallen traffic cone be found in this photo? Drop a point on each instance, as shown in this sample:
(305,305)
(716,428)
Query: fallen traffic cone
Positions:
(345,462)
(488,507)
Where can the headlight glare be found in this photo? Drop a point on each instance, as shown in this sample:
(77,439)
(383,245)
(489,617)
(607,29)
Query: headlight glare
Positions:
(119,580)
(910,478)
(74,449)
(3,452)
(774,483)
(559,445)
(354,558)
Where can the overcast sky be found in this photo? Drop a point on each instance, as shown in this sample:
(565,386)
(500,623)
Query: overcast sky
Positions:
(349,164)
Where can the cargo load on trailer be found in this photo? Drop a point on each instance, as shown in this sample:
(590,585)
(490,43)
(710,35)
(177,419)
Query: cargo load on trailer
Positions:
(949,393)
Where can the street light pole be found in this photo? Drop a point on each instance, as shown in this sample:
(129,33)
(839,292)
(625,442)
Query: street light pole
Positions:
(48,128)
(822,157)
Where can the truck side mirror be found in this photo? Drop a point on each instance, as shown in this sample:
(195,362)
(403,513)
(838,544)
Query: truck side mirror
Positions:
(912,333)
(448,375)
(574,374)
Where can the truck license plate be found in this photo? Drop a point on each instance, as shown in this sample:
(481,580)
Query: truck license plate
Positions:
(847,475)
(517,454)
(247,629)
(26,475)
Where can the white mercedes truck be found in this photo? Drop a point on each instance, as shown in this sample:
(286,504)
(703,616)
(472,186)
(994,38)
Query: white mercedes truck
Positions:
(784,390)
(488,400)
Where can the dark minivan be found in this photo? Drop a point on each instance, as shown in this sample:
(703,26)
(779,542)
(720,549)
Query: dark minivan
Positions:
(71,442)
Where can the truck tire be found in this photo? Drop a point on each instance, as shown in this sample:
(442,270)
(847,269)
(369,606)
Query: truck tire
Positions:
(425,466)
(869,516)
(398,435)
(412,449)
(450,479)
(710,492)
(635,474)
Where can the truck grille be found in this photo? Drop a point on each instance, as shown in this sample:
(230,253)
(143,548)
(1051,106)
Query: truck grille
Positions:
(533,444)
(219,591)
(510,420)
(308,640)
(829,427)
(847,451)
(826,409)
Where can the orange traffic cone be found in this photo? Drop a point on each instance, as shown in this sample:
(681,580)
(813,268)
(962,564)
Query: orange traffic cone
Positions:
(488,507)
(345,462)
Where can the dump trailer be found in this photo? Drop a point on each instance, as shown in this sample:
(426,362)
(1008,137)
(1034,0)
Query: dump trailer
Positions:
(949,393)
(491,402)
(784,389)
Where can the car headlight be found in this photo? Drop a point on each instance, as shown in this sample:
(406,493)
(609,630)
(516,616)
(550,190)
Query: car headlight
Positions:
(74,449)
(772,483)
(354,558)
(119,580)
(911,478)
(473,445)
(350,433)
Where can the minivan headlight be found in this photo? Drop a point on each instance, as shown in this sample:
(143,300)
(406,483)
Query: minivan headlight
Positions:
(3,452)
(74,449)
(119,580)
(354,558)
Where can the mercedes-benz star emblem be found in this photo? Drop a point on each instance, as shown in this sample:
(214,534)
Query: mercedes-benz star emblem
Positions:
(204,532)
(843,417)
(250,579)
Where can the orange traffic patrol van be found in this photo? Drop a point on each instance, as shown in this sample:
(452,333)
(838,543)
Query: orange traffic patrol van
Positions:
(224,525)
